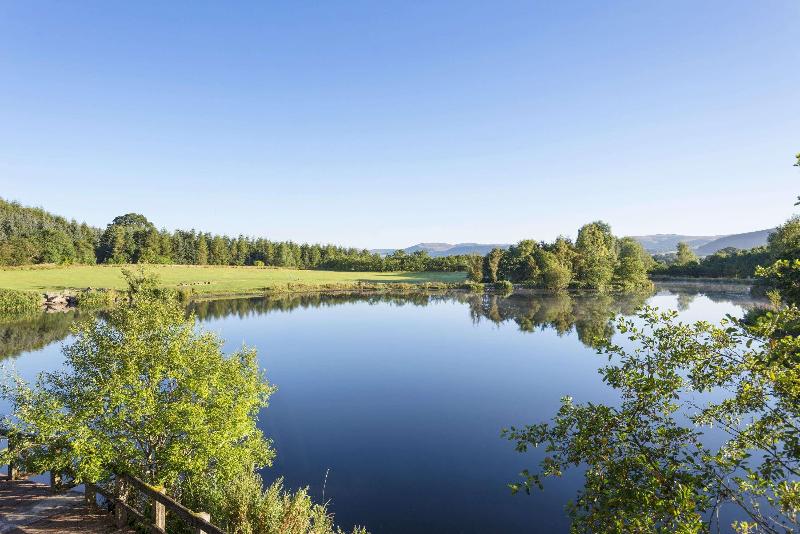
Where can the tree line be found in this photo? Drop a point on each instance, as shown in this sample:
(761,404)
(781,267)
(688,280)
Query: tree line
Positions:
(597,260)
(32,236)
(729,262)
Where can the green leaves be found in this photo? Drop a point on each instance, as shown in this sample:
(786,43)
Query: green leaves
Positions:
(650,466)
(144,392)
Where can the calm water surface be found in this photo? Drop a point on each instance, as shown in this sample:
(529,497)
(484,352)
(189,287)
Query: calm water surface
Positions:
(393,407)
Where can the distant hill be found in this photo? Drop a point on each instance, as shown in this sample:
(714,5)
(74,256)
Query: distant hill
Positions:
(703,245)
(446,249)
(742,241)
(660,243)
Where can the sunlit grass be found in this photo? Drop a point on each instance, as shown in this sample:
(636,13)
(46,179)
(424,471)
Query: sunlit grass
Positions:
(202,279)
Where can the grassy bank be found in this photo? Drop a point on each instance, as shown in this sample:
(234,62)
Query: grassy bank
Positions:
(207,279)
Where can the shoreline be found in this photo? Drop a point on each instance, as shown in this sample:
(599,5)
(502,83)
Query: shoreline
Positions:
(56,298)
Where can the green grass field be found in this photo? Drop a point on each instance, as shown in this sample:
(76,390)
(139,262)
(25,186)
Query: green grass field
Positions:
(202,279)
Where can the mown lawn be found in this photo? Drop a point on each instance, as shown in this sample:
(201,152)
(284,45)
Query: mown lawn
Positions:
(202,279)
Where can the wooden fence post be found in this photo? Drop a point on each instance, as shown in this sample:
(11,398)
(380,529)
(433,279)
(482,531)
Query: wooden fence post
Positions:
(90,495)
(159,513)
(56,481)
(203,515)
(13,471)
(122,496)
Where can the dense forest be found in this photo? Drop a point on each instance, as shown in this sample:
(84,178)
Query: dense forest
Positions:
(597,260)
(32,235)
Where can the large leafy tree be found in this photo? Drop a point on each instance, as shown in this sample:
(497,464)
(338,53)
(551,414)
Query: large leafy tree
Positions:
(596,249)
(474,268)
(632,265)
(145,393)
(493,264)
(124,239)
(685,255)
(553,274)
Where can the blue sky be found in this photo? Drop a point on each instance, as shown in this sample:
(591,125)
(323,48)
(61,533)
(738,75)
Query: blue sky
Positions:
(382,124)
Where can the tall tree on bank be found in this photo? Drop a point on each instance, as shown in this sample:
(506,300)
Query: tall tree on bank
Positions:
(493,264)
(553,273)
(202,250)
(596,255)
(632,266)
(475,268)
(124,239)
(685,254)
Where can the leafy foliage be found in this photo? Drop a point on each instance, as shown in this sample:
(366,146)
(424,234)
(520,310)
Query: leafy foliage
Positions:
(504,286)
(31,235)
(633,263)
(596,256)
(145,394)
(726,263)
(244,506)
(685,255)
(597,260)
(19,303)
(474,268)
(649,466)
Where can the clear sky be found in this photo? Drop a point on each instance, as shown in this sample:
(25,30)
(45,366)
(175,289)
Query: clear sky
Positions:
(382,124)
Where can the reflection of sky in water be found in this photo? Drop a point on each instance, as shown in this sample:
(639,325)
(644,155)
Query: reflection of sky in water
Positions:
(404,403)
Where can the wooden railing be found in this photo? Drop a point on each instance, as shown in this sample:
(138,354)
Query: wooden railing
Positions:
(160,505)
(123,505)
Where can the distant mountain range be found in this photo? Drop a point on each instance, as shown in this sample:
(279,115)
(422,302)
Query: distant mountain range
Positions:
(446,249)
(703,245)
(743,241)
(654,244)
(661,243)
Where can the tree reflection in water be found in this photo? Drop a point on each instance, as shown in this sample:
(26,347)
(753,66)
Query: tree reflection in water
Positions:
(588,314)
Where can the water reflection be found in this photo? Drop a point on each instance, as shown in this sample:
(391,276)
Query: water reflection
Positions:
(587,314)
(36,332)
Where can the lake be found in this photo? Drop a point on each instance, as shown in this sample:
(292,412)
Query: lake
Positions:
(392,407)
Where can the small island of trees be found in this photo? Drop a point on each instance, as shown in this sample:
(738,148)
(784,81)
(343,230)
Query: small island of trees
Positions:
(597,260)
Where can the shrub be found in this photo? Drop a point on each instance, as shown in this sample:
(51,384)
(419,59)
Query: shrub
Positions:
(15,303)
(245,506)
(504,286)
(184,294)
(93,299)
(258,263)
(475,287)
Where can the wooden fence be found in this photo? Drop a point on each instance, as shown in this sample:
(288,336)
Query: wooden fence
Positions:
(122,498)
